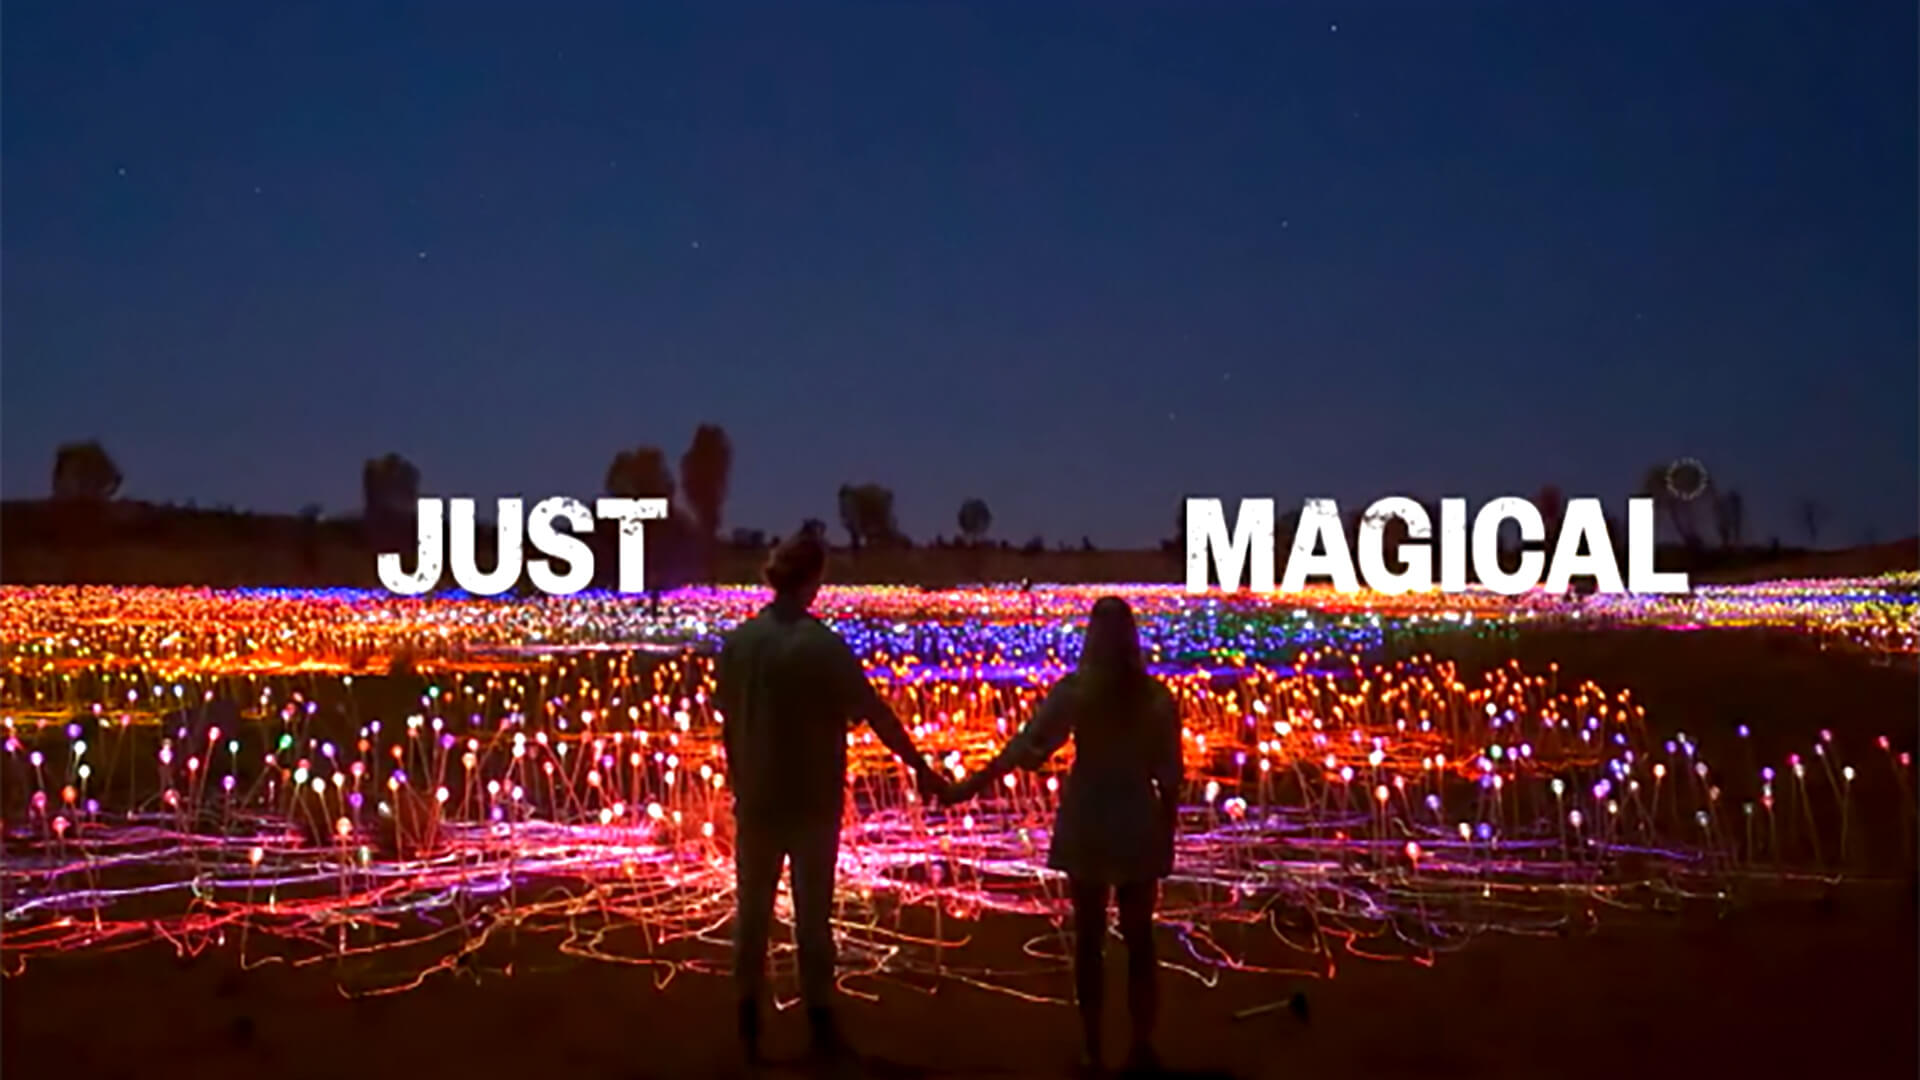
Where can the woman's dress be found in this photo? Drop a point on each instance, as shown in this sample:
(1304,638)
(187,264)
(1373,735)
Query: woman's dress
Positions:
(1110,827)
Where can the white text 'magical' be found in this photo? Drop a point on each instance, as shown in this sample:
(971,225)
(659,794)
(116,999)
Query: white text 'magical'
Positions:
(1583,548)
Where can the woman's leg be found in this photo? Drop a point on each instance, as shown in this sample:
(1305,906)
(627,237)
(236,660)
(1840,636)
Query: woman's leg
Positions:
(1143,967)
(1089,972)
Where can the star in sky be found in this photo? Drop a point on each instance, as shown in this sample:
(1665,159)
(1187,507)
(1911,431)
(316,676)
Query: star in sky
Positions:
(1423,230)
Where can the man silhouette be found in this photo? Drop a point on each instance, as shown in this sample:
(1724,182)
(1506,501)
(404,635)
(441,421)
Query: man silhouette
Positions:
(788,689)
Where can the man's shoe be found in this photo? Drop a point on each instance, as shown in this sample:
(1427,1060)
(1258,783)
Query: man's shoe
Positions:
(1142,1061)
(748,1019)
(828,1043)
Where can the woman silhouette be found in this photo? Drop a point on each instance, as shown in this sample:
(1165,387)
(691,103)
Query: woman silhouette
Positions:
(1113,835)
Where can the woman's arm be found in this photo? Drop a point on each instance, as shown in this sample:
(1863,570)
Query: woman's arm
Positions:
(1044,734)
(1169,768)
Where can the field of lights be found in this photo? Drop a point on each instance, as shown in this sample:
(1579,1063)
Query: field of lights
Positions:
(391,785)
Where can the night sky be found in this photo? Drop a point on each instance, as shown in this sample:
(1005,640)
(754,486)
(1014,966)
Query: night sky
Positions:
(1078,261)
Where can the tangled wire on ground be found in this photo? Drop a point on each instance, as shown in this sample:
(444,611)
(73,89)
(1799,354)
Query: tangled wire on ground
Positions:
(268,798)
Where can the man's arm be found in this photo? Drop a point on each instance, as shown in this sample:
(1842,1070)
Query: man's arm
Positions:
(865,704)
(726,695)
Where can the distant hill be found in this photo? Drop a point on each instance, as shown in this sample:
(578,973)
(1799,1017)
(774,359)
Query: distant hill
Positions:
(1868,561)
(122,542)
(131,543)
(135,543)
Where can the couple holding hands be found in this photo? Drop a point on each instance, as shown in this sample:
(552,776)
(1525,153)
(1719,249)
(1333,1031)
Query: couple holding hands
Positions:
(788,687)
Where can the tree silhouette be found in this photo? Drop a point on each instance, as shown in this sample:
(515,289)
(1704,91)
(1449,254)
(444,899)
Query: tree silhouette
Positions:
(703,481)
(1729,518)
(640,473)
(1177,543)
(1812,516)
(975,519)
(389,499)
(866,512)
(703,475)
(1653,485)
(1657,484)
(815,528)
(82,472)
(673,543)
(849,507)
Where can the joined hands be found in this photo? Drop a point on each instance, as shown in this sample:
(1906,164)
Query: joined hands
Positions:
(964,791)
(931,785)
(944,792)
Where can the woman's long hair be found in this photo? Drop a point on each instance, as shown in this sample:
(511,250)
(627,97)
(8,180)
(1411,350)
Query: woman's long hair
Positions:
(1111,664)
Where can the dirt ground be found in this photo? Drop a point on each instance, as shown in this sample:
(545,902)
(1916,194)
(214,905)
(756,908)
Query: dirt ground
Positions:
(1793,987)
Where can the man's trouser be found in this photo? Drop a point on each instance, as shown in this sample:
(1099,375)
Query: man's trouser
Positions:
(761,844)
